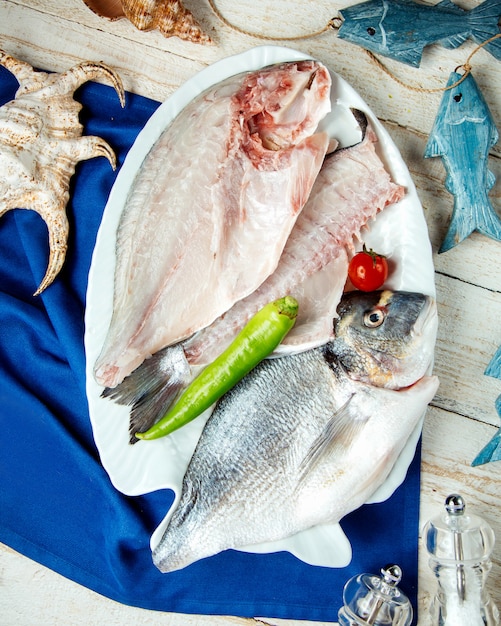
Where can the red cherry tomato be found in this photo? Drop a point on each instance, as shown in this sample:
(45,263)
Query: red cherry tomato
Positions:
(368,270)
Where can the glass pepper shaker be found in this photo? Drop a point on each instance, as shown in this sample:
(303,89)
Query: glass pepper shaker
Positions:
(459,547)
(371,600)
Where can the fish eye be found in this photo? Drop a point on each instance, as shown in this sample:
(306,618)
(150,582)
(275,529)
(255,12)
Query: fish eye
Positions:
(374,318)
(458,97)
(371,31)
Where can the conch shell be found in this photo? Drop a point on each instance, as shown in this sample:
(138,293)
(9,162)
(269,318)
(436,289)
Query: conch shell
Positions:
(170,17)
(40,144)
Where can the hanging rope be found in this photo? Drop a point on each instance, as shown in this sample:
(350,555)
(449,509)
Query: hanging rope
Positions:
(331,24)
(466,67)
(334,24)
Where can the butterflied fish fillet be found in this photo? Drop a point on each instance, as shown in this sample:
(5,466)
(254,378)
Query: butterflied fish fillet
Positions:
(225,180)
(305,439)
(352,187)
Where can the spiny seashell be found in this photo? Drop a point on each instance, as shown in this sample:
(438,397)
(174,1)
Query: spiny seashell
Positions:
(170,17)
(40,144)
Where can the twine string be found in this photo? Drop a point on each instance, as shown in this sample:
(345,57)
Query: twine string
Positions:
(334,24)
(331,24)
(465,67)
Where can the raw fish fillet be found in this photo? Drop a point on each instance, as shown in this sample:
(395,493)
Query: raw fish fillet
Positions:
(211,208)
(352,187)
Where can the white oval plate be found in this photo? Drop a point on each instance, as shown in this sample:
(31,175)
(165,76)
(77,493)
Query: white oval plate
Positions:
(399,232)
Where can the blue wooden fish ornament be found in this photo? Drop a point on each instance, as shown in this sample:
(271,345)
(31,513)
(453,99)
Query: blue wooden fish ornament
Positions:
(492,451)
(462,134)
(401,29)
(494,367)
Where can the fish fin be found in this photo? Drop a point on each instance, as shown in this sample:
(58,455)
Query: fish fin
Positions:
(339,432)
(479,217)
(448,5)
(491,179)
(411,56)
(152,388)
(490,452)
(454,41)
(434,147)
(494,367)
(483,21)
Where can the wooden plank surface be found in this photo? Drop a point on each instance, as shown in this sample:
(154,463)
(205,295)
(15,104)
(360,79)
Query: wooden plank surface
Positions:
(54,35)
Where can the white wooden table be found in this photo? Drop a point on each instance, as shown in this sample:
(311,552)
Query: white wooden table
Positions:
(55,35)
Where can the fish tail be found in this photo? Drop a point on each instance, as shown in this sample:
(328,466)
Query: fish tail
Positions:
(152,388)
(175,551)
(184,540)
(481,218)
(484,23)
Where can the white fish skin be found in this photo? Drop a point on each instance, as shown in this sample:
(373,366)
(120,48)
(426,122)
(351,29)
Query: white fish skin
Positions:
(299,442)
(228,177)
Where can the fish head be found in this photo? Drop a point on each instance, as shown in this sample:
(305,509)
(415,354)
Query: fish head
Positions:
(283,104)
(363,24)
(463,102)
(385,338)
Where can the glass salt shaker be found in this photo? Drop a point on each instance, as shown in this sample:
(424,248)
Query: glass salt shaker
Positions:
(459,547)
(371,600)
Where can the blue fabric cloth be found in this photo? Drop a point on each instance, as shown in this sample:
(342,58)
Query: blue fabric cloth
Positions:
(57,504)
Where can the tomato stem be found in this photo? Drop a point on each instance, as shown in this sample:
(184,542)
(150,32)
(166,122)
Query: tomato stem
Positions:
(374,255)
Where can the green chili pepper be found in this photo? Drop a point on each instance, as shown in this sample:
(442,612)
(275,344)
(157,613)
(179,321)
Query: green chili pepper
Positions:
(256,340)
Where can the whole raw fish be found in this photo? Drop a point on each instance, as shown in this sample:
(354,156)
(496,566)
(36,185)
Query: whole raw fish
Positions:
(351,188)
(463,133)
(227,177)
(401,29)
(304,439)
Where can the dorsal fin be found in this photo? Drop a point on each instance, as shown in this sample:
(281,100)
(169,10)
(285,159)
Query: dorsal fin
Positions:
(449,6)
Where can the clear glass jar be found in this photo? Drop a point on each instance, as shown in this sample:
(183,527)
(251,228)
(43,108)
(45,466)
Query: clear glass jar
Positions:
(459,547)
(371,600)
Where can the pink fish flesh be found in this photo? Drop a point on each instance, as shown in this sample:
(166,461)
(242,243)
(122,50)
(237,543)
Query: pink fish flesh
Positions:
(228,177)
